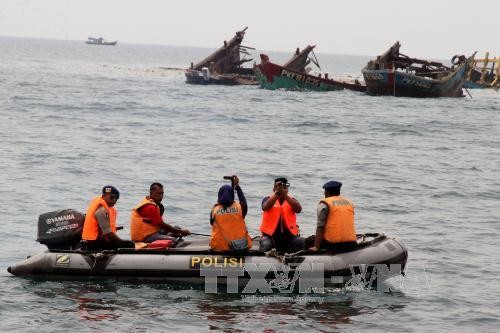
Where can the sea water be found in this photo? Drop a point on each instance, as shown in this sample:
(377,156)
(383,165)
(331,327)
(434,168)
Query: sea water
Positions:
(76,117)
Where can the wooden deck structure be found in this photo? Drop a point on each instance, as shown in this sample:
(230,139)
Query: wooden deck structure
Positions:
(485,72)
(228,58)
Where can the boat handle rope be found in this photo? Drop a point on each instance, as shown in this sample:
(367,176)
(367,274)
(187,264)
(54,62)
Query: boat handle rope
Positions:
(286,257)
(97,257)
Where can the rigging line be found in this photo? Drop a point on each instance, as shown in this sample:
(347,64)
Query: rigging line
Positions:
(315,60)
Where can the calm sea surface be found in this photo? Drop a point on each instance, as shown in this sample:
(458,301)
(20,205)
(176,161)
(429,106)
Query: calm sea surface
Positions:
(75,117)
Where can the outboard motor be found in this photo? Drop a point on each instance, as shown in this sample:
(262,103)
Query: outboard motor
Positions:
(60,229)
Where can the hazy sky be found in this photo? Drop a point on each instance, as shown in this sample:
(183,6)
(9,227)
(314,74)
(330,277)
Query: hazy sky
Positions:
(425,28)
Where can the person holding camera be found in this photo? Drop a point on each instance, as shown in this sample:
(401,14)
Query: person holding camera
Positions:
(279,220)
(229,231)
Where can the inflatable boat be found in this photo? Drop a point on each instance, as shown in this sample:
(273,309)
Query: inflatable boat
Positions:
(192,261)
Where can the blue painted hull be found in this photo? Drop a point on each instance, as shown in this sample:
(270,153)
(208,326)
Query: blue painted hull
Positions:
(196,77)
(474,85)
(401,84)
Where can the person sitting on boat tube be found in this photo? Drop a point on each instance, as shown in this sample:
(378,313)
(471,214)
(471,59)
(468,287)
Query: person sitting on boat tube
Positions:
(99,228)
(335,226)
(146,222)
(229,231)
(279,220)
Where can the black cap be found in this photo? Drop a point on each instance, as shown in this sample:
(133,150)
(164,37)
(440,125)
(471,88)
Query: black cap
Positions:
(332,185)
(281,179)
(110,189)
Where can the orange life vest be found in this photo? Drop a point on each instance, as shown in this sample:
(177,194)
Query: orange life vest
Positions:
(91,226)
(141,228)
(228,225)
(339,226)
(272,216)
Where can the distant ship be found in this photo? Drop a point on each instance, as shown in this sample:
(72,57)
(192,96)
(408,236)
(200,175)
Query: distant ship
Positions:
(100,41)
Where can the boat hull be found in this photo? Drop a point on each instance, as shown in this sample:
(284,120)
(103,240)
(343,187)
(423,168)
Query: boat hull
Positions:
(272,76)
(476,85)
(401,84)
(103,43)
(190,265)
(196,77)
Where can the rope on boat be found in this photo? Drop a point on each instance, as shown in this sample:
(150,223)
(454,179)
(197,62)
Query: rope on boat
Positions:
(99,256)
(315,60)
(286,257)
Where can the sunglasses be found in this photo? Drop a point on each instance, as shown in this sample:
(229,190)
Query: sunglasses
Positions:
(113,197)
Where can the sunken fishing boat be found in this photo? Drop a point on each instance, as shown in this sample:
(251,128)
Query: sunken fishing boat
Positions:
(396,74)
(224,65)
(301,59)
(190,260)
(484,73)
(273,76)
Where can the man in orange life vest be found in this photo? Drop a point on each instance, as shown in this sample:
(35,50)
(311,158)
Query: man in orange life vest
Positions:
(99,228)
(279,220)
(229,232)
(146,222)
(335,226)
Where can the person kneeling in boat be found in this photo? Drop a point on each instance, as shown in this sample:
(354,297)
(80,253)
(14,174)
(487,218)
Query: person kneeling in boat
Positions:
(279,220)
(99,228)
(229,231)
(335,227)
(146,222)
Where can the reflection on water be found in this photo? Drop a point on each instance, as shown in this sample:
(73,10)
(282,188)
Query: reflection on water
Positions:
(332,313)
(94,301)
(92,305)
(124,306)
(323,312)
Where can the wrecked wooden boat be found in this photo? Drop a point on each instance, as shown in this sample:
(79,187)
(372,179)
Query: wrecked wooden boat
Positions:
(224,65)
(484,73)
(204,77)
(273,76)
(396,74)
(300,59)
